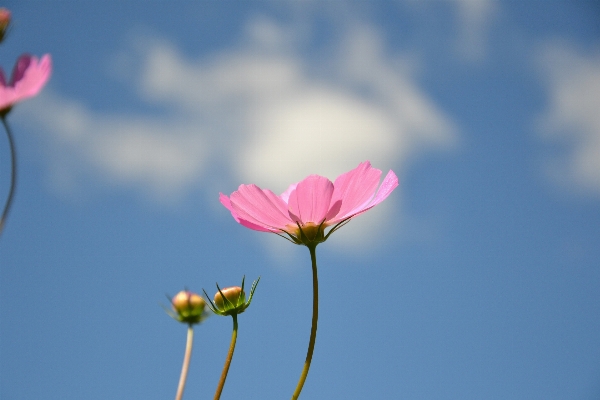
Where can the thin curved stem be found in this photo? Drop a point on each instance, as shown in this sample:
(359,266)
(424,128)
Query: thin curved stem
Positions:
(13,174)
(313,329)
(228,359)
(186,362)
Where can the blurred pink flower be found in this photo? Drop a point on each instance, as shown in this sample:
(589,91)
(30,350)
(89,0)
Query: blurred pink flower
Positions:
(306,208)
(28,78)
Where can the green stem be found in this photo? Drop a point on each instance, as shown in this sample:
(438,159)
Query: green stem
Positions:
(13,174)
(313,329)
(228,359)
(186,362)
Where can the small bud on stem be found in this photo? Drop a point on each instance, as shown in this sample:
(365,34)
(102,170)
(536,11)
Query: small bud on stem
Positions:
(4,22)
(188,307)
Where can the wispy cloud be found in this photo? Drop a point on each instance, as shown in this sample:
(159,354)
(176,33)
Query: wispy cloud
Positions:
(158,156)
(262,111)
(572,117)
(474,20)
(463,26)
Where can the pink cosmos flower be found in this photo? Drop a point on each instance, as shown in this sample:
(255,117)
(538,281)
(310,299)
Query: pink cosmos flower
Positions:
(306,208)
(28,78)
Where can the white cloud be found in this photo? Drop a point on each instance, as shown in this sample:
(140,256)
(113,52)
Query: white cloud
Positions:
(572,115)
(162,157)
(263,111)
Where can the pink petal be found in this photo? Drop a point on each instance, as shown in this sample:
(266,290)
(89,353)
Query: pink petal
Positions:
(285,196)
(29,77)
(255,227)
(311,199)
(34,77)
(227,203)
(390,182)
(21,66)
(355,189)
(259,207)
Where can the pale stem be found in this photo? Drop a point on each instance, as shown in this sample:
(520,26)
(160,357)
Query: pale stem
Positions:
(13,174)
(228,359)
(186,362)
(313,329)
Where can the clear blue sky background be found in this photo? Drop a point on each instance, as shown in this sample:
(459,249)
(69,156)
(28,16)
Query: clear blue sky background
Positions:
(477,279)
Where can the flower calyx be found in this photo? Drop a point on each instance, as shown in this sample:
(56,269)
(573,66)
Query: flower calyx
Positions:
(311,234)
(231,300)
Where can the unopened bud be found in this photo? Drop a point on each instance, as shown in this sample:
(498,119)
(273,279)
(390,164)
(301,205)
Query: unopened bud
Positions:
(4,22)
(234,295)
(231,300)
(189,307)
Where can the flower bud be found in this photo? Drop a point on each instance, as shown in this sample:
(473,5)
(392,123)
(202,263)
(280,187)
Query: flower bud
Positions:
(4,22)
(235,296)
(231,300)
(189,307)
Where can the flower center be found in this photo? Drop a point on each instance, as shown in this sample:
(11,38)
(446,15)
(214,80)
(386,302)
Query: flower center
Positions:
(309,232)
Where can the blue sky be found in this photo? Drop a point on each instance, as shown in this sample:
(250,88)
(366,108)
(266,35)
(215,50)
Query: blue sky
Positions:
(476,279)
